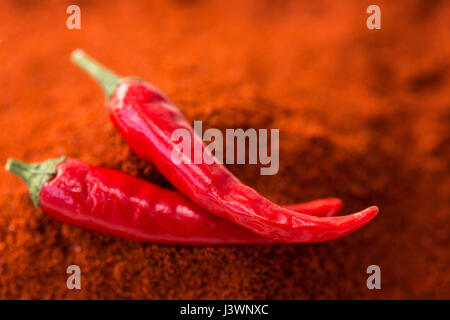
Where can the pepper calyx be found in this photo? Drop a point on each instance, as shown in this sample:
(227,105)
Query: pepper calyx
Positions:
(34,174)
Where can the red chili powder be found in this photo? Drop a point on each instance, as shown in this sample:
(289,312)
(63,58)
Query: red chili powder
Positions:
(363,115)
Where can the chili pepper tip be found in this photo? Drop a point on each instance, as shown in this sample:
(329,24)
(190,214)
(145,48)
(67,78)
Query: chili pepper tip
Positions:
(337,206)
(349,223)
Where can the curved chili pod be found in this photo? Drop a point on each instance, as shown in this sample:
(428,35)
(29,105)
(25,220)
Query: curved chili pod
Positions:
(112,202)
(146,119)
(327,207)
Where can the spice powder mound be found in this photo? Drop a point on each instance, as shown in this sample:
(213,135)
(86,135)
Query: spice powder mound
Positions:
(363,115)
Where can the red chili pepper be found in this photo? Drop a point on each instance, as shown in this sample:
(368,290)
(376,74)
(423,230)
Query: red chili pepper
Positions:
(327,207)
(112,202)
(146,119)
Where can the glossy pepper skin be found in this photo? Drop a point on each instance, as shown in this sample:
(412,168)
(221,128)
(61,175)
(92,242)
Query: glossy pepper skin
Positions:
(112,202)
(146,119)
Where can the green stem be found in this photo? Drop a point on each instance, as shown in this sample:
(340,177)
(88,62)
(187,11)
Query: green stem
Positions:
(34,174)
(107,79)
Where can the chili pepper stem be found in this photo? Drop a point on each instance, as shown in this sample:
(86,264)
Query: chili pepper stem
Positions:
(107,79)
(34,174)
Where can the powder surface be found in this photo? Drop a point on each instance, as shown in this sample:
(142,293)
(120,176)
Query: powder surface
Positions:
(363,115)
